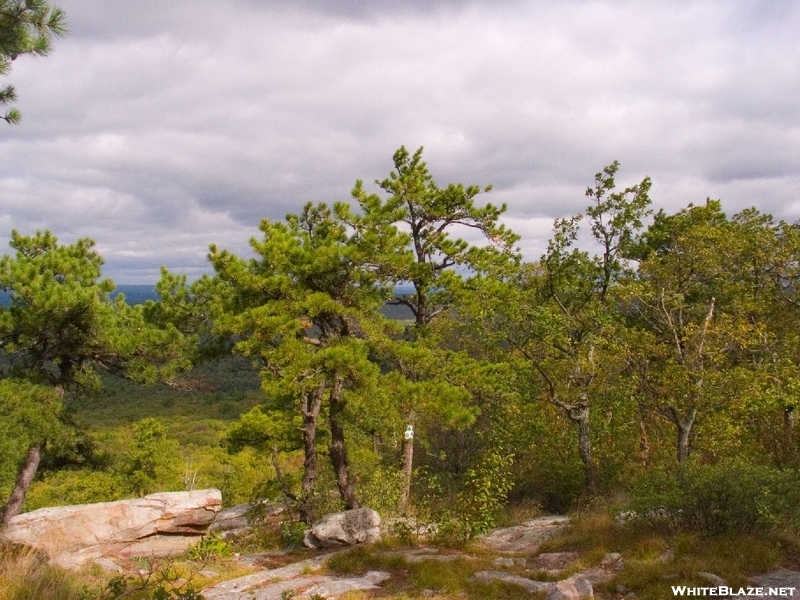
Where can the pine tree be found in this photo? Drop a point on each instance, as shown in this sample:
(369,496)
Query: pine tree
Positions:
(63,331)
(307,309)
(26,27)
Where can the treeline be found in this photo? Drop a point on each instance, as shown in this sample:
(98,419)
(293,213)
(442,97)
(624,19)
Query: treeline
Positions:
(659,366)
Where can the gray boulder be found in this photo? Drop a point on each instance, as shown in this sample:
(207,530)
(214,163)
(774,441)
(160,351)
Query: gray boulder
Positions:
(158,525)
(233,519)
(357,526)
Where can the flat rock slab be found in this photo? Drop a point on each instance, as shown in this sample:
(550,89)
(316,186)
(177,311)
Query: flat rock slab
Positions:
(241,586)
(552,563)
(529,585)
(265,560)
(781,578)
(300,587)
(524,538)
(336,586)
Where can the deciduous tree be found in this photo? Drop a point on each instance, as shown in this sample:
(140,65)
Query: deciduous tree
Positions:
(691,306)
(557,317)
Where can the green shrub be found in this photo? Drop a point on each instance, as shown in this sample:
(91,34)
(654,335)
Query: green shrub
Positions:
(380,489)
(211,546)
(150,464)
(132,587)
(80,486)
(485,490)
(731,496)
(292,533)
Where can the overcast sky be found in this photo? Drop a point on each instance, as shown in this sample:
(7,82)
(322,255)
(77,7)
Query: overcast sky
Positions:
(157,128)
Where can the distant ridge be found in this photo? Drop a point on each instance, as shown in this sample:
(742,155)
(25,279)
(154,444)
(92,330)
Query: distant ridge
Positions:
(139,294)
(136,294)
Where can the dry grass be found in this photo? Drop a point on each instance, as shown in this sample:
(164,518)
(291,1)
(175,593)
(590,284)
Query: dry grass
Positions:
(25,575)
(518,512)
(654,559)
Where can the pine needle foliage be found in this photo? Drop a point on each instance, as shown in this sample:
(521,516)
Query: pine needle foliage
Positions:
(26,27)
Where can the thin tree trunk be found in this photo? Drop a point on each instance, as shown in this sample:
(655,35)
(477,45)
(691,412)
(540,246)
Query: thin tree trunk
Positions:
(310,406)
(788,426)
(281,479)
(684,427)
(24,479)
(644,442)
(337,449)
(580,416)
(408,465)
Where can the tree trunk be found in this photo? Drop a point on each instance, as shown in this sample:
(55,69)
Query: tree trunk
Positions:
(788,426)
(580,416)
(281,479)
(684,427)
(337,449)
(644,442)
(408,465)
(422,317)
(24,479)
(310,405)
(31,464)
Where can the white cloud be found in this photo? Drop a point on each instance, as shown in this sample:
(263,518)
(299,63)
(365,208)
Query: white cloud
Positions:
(159,128)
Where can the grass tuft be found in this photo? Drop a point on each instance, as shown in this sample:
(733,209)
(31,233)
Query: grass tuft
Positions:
(25,574)
(451,577)
(361,559)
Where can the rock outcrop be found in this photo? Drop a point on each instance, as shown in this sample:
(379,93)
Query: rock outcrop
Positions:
(158,525)
(782,578)
(552,563)
(524,538)
(357,526)
(236,519)
(298,580)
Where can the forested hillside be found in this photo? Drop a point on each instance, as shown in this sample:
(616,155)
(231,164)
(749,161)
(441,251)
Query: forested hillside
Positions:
(646,358)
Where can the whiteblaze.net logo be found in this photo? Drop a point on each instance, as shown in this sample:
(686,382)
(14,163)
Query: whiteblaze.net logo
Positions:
(729,592)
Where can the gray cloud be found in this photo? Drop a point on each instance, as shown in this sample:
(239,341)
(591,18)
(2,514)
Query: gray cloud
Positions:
(158,128)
